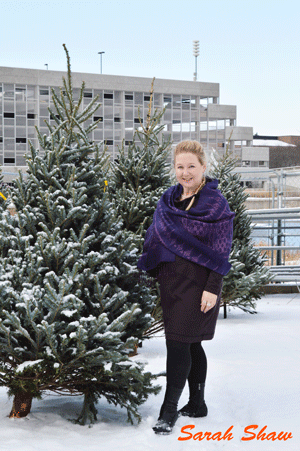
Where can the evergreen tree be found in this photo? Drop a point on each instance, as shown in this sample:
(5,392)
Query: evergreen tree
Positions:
(140,176)
(70,309)
(138,179)
(242,285)
(4,191)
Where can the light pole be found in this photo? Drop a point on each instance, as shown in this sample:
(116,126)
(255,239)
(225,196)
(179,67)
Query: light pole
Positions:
(46,65)
(100,53)
(196,54)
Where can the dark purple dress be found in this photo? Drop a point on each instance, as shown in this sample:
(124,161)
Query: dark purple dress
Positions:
(182,283)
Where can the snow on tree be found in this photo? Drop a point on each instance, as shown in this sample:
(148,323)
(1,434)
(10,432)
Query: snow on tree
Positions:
(242,285)
(139,177)
(71,311)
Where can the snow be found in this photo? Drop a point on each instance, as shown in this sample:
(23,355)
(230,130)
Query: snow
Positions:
(271,142)
(29,363)
(68,313)
(253,379)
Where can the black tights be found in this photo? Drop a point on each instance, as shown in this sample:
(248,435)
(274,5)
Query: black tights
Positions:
(185,361)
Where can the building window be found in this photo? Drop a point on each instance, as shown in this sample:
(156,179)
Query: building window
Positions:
(246,163)
(21,140)
(20,94)
(9,160)
(138,98)
(9,91)
(88,94)
(96,118)
(52,118)
(1,139)
(138,121)
(261,163)
(10,115)
(108,96)
(117,119)
(44,92)
(128,96)
(146,98)
(109,142)
(128,143)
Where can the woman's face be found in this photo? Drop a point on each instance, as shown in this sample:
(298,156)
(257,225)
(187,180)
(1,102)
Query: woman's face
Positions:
(189,171)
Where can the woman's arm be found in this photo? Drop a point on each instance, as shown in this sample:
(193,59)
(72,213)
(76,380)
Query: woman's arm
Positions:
(211,291)
(214,283)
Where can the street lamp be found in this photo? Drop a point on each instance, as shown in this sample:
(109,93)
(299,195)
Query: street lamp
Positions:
(196,54)
(100,53)
(46,65)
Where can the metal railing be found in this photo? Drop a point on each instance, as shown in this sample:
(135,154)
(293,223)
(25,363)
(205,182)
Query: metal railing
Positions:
(276,226)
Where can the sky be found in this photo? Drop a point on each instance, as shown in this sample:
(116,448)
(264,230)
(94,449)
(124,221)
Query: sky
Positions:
(251,48)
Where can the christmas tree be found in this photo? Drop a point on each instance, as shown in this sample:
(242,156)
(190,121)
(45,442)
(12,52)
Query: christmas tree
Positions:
(139,177)
(70,309)
(4,191)
(242,285)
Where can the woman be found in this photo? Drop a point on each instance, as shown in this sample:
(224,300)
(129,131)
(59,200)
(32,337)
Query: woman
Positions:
(187,248)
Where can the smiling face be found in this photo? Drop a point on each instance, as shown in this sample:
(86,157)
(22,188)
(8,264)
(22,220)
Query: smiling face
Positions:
(189,171)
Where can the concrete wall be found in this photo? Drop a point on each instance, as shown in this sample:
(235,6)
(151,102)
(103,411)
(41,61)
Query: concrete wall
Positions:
(109,82)
(217,111)
(239,133)
(255,153)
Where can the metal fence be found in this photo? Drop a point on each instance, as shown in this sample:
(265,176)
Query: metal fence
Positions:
(274,205)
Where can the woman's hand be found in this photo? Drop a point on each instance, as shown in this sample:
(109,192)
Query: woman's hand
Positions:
(208,301)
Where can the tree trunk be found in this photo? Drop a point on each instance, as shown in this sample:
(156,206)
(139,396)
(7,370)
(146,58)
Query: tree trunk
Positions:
(89,411)
(225,309)
(134,352)
(21,405)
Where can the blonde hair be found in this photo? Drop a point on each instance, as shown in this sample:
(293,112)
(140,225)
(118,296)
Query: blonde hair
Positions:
(191,147)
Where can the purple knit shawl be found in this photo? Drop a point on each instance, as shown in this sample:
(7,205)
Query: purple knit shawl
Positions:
(202,234)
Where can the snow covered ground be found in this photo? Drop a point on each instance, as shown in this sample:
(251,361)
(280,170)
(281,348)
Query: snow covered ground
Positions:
(253,379)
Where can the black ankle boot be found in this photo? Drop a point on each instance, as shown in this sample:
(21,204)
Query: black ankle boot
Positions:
(196,406)
(168,412)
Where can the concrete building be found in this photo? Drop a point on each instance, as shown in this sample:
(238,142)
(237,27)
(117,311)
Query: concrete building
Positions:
(192,111)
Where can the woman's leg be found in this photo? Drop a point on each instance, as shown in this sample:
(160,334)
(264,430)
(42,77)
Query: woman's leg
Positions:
(178,368)
(179,363)
(199,364)
(196,406)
